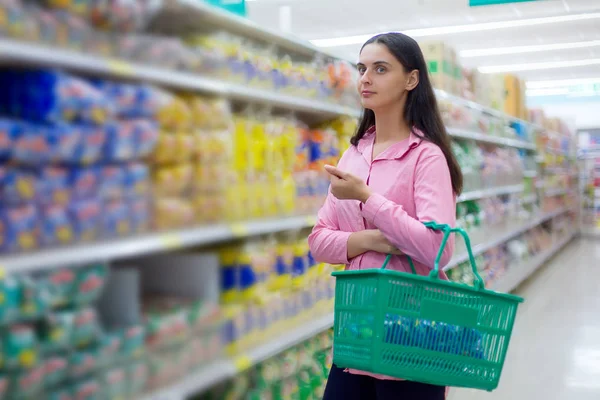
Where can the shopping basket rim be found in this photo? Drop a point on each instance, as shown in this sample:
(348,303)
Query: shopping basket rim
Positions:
(421,278)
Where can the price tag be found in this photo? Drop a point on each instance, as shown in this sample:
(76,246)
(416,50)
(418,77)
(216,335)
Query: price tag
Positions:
(242,363)
(239,230)
(171,241)
(120,67)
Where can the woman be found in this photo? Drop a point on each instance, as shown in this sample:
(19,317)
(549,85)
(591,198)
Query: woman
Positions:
(398,173)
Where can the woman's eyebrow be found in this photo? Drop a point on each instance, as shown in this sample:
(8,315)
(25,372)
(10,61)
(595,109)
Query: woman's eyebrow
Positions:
(375,63)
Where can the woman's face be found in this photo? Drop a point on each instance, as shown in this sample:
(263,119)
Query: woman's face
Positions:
(382,79)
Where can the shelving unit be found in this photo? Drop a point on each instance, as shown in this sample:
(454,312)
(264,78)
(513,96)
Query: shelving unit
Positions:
(76,255)
(517,275)
(504,237)
(227,368)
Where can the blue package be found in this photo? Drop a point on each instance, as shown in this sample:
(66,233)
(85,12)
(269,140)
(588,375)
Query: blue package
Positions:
(42,144)
(17,186)
(10,131)
(91,144)
(56,228)
(120,142)
(85,217)
(140,214)
(146,137)
(50,96)
(54,186)
(132,100)
(115,219)
(84,182)
(112,181)
(19,226)
(137,179)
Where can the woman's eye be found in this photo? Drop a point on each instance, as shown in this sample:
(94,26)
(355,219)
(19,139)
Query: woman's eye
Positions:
(380,70)
(361,70)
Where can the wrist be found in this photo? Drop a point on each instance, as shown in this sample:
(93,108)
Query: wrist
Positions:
(364,195)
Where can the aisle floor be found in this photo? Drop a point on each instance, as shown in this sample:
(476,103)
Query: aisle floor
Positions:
(555,350)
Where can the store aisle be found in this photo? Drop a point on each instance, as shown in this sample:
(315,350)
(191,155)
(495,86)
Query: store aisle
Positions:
(555,350)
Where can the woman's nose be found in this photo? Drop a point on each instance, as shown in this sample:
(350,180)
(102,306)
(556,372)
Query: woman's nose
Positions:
(365,78)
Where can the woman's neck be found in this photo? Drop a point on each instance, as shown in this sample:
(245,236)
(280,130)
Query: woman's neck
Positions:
(391,126)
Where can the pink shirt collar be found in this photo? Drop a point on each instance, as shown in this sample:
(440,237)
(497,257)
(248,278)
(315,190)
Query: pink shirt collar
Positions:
(396,151)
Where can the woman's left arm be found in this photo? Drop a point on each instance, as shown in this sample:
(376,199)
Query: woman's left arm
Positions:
(434,201)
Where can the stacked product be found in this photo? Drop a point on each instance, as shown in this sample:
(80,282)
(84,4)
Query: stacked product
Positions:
(54,344)
(503,92)
(70,171)
(116,28)
(496,262)
(268,285)
(299,373)
(488,166)
(181,336)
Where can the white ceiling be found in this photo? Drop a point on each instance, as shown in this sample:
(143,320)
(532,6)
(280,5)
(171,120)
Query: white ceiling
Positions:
(326,19)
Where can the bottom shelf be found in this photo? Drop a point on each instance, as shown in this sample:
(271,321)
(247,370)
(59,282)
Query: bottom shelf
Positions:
(515,276)
(222,370)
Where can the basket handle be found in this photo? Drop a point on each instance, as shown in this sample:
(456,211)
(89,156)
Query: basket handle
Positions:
(479,284)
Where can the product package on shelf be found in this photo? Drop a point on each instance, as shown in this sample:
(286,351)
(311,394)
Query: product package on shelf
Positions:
(72,174)
(271,285)
(118,29)
(299,373)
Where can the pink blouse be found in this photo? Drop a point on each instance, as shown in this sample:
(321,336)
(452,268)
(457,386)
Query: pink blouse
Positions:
(411,184)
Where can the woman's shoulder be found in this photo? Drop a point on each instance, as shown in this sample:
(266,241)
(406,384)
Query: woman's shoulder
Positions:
(349,154)
(429,149)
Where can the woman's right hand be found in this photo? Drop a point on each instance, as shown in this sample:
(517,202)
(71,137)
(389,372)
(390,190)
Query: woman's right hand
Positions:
(377,242)
(370,240)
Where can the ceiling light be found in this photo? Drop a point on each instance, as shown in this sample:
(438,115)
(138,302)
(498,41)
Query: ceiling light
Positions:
(444,30)
(538,66)
(528,49)
(560,83)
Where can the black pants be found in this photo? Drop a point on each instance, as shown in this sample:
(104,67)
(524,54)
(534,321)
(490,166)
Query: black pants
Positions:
(346,386)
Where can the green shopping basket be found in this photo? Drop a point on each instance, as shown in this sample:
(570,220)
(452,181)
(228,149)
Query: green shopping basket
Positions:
(422,328)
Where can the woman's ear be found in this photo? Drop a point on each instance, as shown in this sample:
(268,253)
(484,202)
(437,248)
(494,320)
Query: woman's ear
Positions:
(413,80)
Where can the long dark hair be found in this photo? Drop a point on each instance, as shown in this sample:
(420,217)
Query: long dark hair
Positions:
(421,110)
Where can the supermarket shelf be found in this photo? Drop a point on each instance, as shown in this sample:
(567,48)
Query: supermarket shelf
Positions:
(483,247)
(557,170)
(82,254)
(481,137)
(219,371)
(37,55)
(532,198)
(185,16)
(555,192)
(491,192)
(517,274)
(479,107)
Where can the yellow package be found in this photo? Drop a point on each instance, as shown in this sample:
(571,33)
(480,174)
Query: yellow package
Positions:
(164,151)
(210,113)
(214,146)
(174,114)
(184,146)
(173,180)
(209,207)
(172,212)
(241,144)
